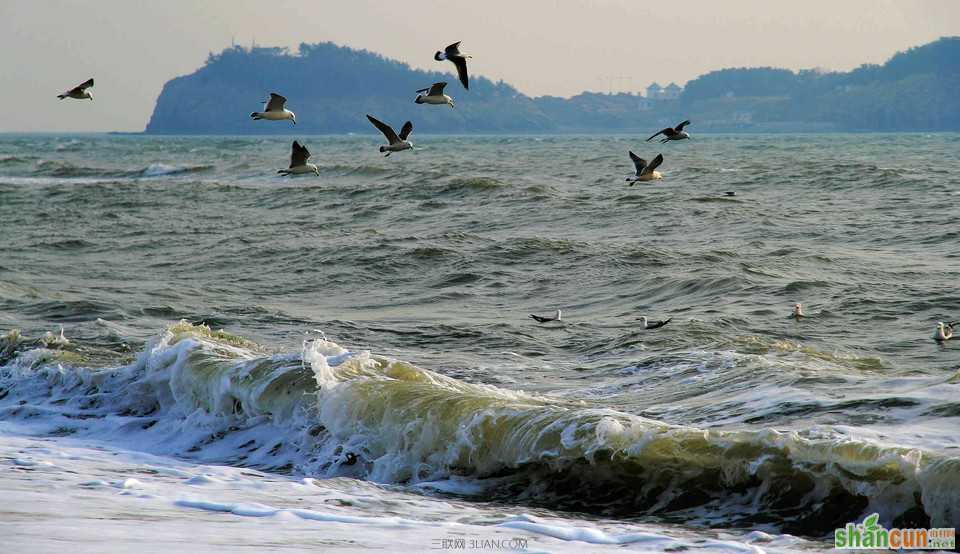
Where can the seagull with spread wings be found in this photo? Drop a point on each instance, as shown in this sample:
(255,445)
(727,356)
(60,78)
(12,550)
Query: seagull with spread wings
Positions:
(275,110)
(645,171)
(453,54)
(79,92)
(673,133)
(397,142)
(433,95)
(298,162)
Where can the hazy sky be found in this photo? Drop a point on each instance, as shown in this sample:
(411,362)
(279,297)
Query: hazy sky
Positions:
(554,47)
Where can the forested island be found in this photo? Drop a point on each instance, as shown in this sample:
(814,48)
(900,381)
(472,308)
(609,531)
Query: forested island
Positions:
(331,87)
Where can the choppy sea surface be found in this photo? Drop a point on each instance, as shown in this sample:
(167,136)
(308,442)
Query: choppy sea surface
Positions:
(201,355)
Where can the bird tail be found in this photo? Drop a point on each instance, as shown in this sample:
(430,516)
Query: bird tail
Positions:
(283,171)
(383,148)
(61,96)
(255,115)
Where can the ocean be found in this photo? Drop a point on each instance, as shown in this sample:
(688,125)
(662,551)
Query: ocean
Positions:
(202,356)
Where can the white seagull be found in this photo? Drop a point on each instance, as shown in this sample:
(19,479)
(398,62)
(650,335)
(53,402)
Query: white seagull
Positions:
(673,133)
(453,54)
(645,171)
(397,143)
(433,95)
(275,110)
(798,312)
(655,325)
(546,318)
(298,162)
(79,92)
(944,331)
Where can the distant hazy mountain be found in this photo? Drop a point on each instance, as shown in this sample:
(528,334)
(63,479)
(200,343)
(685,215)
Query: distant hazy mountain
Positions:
(331,88)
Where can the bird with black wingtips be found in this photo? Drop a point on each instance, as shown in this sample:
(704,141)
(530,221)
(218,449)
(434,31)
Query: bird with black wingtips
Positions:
(397,142)
(275,110)
(79,92)
(655,325)
(645,171)
(298,162)
(453,54)
(433,95)
(673,133)
(944,331)
(547,318)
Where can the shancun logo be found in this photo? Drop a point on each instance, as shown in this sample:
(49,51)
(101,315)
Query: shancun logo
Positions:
(870,535)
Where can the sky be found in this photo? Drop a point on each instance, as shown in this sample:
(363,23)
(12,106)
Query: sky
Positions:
(556,47)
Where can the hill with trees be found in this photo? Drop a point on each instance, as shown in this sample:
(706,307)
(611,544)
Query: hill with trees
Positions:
(331,87)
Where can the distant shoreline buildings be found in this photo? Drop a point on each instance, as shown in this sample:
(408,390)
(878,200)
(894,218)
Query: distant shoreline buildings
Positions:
(669,92)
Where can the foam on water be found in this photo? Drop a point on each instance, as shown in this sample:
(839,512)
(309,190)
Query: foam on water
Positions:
(218,398)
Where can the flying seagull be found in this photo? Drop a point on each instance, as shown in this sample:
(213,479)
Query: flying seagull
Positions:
(645,171)
(433,95)
(79,92)
(673,133)
(655,325)
(298,162)
(944,331)
(546,318)
(274,110)
(453,54)
(397,143)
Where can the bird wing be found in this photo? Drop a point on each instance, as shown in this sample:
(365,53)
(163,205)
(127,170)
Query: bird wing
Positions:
(299,155)
(427,90)
(680,127)
(436,89)
(539,319)
(658,324)
(652,165)
(405,130)
(276,103)
(385,129)
(663,131)
(461,64)
(83,86)
(638,162)
(453,49)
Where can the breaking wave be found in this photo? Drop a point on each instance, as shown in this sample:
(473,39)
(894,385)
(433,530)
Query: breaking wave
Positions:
(326,411)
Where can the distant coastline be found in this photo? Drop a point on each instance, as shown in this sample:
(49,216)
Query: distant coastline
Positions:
(914,91)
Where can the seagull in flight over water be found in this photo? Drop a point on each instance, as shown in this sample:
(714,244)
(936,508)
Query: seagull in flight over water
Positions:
(397,142)
(79,92)
(673,133)
(645,171)
(298,162)
(275,110)
(547,318)
(433,95)
(453,54)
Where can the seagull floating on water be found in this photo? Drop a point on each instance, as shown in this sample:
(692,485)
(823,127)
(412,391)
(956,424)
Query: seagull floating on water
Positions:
(79,92)
(453,54)
(655,325)
(433,95)
(275,110)
(645,171)
(798,312)
(546,318)
(673,133)
(397,143)
(944,331)
(298,162)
